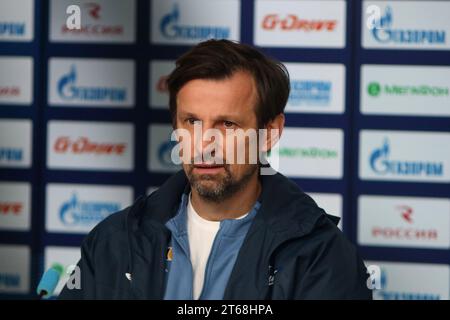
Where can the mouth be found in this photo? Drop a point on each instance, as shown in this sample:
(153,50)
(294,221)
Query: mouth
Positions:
(208,168)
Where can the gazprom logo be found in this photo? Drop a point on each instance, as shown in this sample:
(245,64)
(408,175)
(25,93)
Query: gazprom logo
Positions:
(68,90)
(81,213)
(12,28)
(385,294)
(310,92)
(170,29)
(165,152)
(384,33)
(381,163)
(11,154)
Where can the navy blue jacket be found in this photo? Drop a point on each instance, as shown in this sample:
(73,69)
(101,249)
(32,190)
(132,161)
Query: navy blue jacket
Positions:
(293,250)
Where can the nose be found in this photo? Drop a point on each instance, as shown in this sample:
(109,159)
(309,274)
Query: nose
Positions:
(206,140)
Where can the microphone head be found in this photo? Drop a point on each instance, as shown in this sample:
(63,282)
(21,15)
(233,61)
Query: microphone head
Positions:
(49,281)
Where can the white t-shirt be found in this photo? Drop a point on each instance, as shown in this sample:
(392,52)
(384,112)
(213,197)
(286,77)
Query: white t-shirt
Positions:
(201,234)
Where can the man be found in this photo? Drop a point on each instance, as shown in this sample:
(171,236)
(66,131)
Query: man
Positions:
(221,229)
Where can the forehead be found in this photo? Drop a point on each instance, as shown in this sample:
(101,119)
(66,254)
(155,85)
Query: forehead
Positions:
(234,95)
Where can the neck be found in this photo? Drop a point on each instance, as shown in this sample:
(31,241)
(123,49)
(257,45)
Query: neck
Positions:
(232,207)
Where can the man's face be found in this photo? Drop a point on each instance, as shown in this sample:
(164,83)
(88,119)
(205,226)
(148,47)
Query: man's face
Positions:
(218,104)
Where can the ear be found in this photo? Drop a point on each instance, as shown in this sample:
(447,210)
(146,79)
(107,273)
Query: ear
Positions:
(274,129)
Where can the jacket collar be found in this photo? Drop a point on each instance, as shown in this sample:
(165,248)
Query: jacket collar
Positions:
(285,208)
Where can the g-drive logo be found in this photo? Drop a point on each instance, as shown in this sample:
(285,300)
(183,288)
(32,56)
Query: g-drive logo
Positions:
(85,213)
(381,164)
(384,32)
(170,28)
(68,90)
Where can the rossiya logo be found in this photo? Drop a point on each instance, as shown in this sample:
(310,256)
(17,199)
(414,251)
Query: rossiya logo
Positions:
(76,212)
(407,229)
(384,32)
(170,28)
(69,90)
(375,89)
(96,28)
(381,163)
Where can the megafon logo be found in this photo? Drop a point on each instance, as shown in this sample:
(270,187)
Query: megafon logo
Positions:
(384,33)
(170,28)
(400,295)
(375,89)
(96,28)
(406,231)
(291,22)
(310,92)
(14,208)
(381,164)
(68,90)
(75,212)
(83,145)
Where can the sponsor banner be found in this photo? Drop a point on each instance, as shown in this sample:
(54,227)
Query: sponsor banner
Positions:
(91,82)
(102,21)
(185,22)
(160,148)
(77,208)
(406,25)
(317,24)
(16,20)
(15,206)
(390,156)
(316,88)
(14,269)
(15,143)
(310,153)
(410,281)
(16,80)
(404,222)
(62,258)
(407,90)
(331,203)
(159,93)
(89,145)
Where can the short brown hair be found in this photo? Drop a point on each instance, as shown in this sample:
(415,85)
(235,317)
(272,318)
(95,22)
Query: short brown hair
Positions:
(220,59)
